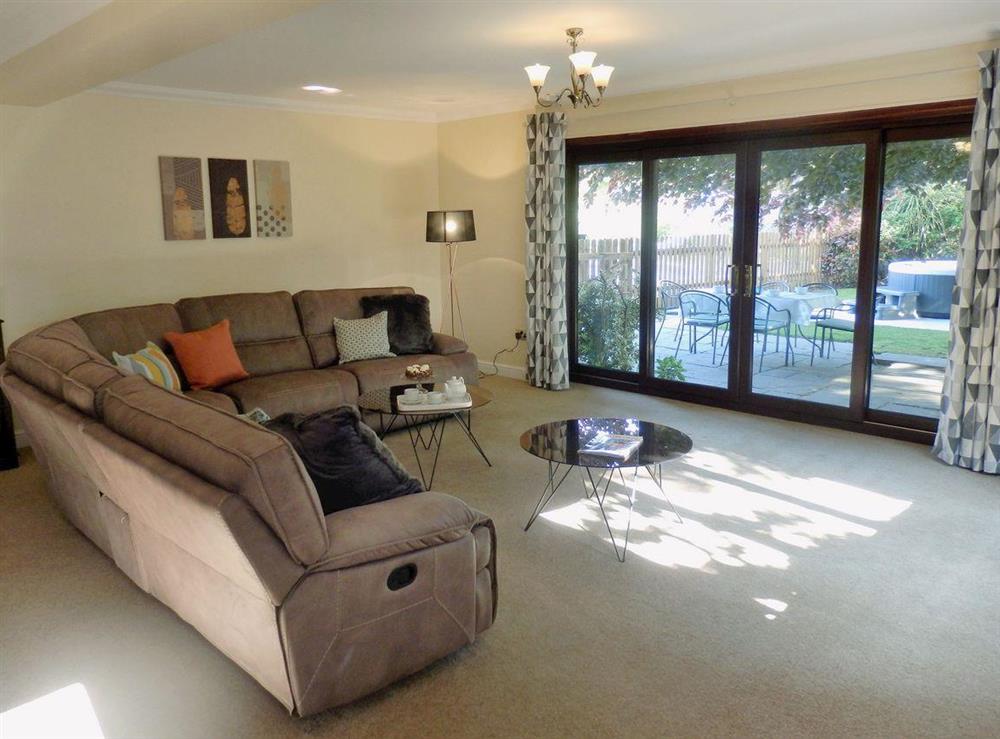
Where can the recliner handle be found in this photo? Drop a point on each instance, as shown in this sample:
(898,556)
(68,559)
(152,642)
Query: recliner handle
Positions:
(402,576)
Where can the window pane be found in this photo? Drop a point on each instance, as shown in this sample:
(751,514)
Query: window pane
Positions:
(609,229)
(807,250)
(694,247)
(923,203)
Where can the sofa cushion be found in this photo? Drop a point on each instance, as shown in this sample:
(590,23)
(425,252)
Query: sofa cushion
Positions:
(409,321)
(126,330)
(301,391)
(264,326)
(445,344)
(373,374)
(348,463)
(150,363)
(362,338)
(61,360)
(318,308)
(214,399)
(208,356)
(234,454)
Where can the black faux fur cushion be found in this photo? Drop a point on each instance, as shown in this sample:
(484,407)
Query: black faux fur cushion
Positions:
(409,321)
(348,463)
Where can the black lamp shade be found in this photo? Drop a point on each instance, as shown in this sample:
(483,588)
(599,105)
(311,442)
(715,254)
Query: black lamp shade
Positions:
(450,226)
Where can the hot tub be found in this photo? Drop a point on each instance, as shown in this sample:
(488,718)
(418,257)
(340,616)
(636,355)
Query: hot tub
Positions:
(932,279)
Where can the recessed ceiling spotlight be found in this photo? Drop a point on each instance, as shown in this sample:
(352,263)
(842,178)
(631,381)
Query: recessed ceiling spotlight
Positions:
(322,89)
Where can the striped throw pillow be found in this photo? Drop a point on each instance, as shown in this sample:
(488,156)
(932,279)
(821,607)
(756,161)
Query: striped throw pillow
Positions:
(152,364)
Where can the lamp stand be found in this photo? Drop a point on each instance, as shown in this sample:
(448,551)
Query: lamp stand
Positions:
(453,292)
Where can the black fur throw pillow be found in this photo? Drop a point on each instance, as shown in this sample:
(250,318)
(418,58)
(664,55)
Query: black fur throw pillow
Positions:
(348,463)
(409,321)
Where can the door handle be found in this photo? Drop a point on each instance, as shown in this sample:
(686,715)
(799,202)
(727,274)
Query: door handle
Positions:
(732,280)
(749,279)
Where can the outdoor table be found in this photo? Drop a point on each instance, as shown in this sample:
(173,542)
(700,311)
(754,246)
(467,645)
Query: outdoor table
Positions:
(802,305)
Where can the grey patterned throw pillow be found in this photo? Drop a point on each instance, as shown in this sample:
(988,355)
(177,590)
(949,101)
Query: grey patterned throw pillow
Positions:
(362,338)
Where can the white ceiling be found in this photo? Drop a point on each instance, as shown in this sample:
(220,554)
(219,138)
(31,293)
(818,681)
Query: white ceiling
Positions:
(25,23)
(451,58)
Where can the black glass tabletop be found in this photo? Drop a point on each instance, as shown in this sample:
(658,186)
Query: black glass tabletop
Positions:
(384,400)
(565,442)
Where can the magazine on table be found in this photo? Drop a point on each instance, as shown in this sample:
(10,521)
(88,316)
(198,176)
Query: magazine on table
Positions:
(619,446)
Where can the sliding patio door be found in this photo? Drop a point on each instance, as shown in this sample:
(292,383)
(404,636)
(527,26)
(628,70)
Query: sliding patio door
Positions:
(805,276)
(692,288)
(606,286)
(922,212)
(805,272)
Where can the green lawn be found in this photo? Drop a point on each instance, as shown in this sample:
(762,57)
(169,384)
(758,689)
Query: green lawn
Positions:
(897,340)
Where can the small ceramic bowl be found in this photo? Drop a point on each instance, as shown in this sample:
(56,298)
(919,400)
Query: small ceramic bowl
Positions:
(435,397)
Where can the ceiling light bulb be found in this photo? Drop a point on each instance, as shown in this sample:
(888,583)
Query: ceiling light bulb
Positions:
(601,74)
(582,62)
(321,89)
(537,74)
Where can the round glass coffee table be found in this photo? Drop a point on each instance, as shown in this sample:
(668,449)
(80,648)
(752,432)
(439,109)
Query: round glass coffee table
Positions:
(425,423)
(563,444)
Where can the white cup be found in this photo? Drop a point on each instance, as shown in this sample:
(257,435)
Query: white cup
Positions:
(434,397)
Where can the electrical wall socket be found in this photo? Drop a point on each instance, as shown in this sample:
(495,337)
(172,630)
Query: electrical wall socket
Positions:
(520,335)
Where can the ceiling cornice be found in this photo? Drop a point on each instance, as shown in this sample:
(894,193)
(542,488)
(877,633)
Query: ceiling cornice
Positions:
(209,97)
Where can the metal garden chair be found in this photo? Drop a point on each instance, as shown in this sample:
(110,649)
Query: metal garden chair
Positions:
(702,310)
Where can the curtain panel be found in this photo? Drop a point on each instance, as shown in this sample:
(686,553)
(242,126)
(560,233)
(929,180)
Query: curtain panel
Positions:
(545,262)
(969,427)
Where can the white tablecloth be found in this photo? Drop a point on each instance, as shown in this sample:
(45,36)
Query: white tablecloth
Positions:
(801,306)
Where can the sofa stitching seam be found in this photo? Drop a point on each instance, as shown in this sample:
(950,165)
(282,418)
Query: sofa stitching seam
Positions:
(471,637)
(347,555)
(245,458)
(341,631)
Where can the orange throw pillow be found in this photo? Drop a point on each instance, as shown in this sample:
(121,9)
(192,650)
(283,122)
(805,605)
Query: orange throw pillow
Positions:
(208,357)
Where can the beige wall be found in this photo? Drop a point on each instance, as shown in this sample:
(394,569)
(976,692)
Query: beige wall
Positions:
(481,165)
(483,160)
(80,216)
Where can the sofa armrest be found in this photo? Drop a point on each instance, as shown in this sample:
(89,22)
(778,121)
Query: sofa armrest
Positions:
(393,527)
(444,344)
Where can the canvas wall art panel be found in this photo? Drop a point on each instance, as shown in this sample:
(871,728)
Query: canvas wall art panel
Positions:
(227,181)
(274,198)
(183,198)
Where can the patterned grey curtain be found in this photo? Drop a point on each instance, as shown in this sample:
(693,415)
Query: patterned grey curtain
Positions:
(545,216)
(969,430)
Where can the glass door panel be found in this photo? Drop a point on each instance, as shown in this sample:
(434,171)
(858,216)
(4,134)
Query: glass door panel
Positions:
(923,200)
(694,254)
(806,275)
(609,265)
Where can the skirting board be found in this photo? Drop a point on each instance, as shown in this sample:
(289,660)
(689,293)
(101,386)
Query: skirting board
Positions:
(504,370)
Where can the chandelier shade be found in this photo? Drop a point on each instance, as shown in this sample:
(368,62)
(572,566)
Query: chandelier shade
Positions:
(581,68)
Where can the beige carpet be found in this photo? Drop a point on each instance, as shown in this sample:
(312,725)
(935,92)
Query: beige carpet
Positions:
(823,583)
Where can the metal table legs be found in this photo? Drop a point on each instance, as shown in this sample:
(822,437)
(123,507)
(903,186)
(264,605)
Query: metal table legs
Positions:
(428,434)
(598,490)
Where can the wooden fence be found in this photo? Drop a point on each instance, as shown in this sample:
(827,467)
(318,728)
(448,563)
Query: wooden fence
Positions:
(700,261)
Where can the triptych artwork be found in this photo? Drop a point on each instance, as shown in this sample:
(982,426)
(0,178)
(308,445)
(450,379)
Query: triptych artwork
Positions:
(183,198)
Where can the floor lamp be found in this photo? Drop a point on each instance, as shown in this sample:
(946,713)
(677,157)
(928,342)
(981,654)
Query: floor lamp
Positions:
(451,227)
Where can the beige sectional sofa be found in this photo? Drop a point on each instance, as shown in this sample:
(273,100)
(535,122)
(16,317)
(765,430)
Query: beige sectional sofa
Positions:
(216,517)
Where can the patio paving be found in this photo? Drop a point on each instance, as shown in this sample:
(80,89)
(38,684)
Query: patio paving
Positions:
(899,386)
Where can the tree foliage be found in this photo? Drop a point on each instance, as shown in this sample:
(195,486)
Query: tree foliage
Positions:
(607,320)
(808,189)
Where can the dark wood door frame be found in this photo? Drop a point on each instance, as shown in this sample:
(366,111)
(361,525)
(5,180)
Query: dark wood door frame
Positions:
(873,128)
